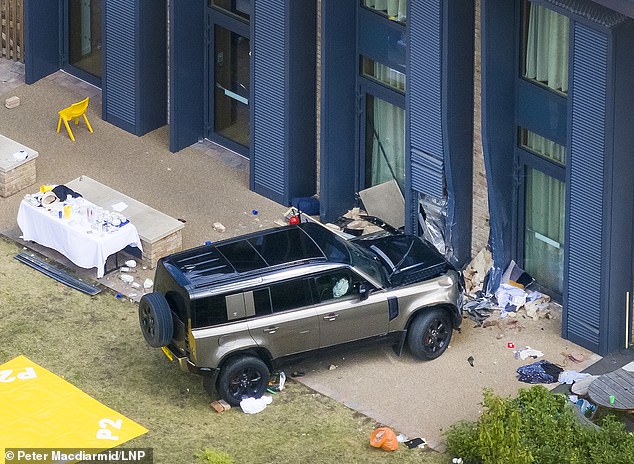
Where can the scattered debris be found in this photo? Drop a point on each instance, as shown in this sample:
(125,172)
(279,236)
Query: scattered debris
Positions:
(57,274)
(298,374)
(516,276)
(332,367)
(255,405)
(219,227)
(510,298)
(479,309)
(277,383)
(470,360)
(131,263)
(570,377)
(148,283)
(585,406)
(220,406)
(415,443)
(12,102)
(575,356)
(384,438)
(476,271)
(127,278)
(456,461)
(539,372)
(136,285)
(510,345)
(580,387)
(528,352)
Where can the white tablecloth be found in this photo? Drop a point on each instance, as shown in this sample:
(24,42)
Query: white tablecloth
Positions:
(74,238)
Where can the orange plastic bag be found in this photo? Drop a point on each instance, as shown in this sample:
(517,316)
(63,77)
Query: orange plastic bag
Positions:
(384,437)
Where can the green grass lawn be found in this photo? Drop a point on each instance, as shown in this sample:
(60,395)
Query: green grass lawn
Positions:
(95,344)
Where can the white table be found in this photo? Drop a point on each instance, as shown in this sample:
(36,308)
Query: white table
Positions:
(74,238)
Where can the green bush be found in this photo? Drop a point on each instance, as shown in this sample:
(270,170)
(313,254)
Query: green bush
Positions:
(538,427)
(212,456)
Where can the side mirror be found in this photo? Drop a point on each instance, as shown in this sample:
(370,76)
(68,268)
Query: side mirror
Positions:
(364,291)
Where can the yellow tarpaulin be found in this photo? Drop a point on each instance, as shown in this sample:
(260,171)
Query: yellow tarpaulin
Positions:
(38,409)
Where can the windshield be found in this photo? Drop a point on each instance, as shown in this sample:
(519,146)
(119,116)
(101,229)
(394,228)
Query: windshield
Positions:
(368,263)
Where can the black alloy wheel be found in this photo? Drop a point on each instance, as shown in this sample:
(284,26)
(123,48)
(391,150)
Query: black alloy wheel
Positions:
(241,378)
(430,334)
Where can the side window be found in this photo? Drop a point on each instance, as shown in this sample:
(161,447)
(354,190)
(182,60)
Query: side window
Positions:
(209,311)
(262,302)
(290,295)
(338,284)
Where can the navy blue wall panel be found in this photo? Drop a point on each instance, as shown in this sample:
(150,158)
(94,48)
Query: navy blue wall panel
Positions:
(424,98)
(302,127)
(269,146)
(621,251)
(187,57)
(120,67)
(585,240)
(457,70)
(41,38)
(152,77)
(338,101)
(498,124)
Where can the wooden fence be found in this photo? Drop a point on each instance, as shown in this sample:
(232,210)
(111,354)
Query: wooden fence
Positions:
(12,29)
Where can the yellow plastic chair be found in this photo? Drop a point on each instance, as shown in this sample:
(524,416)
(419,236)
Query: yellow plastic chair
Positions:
(73,112)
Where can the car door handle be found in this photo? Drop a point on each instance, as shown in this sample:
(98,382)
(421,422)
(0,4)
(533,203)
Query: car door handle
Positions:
(331,317)
(271,330)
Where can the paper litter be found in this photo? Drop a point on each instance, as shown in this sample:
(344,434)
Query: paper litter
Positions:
(255,405)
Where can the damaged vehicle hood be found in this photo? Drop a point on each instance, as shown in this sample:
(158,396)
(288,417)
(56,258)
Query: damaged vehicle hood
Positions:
(406,258)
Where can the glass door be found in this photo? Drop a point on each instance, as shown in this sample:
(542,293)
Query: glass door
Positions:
(232,84)
(542,210)
(229,109)
(83,26)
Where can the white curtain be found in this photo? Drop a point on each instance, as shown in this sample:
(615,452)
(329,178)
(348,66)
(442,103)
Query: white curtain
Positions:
(547,47)
(389,76)
(395,9)
(544,229)
(545,147)
(387,132)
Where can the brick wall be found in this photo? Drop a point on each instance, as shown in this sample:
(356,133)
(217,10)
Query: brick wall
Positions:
(480,234)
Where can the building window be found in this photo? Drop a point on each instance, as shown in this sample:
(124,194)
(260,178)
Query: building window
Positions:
(385,142)
(395,10)
(542,146)
(545,47)
(383,74)
(545,204)
(239,8)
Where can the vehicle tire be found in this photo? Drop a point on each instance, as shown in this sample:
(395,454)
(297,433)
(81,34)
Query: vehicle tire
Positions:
(243,377)
(155,318)
(430,333)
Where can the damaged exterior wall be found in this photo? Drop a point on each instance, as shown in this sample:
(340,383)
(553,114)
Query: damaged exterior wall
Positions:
(480,228)
(591,122)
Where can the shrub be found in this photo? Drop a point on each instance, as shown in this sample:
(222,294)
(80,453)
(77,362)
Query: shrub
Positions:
(538,427)
(212,456)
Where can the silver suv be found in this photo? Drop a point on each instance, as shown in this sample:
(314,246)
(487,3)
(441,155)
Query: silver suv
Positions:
(235,310)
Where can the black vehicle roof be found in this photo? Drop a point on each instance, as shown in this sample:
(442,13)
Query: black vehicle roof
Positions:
(256,254)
